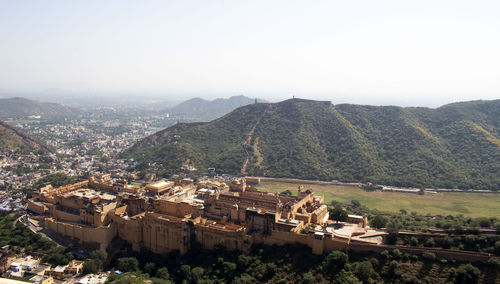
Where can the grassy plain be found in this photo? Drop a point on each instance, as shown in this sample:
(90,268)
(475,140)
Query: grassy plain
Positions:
(467,204)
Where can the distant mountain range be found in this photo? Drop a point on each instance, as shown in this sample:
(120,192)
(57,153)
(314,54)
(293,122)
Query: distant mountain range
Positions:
(456,145)
(22,108)
(198,109)
(14,139)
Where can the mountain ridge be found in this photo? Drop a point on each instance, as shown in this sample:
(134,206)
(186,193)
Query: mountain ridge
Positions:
(14,139)
(19,107)
(198,109)
(456,145)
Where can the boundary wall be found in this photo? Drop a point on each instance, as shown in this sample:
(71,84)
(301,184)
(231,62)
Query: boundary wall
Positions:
(446,253)
(101,235)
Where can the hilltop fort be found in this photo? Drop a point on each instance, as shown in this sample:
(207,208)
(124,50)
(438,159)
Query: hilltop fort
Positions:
(164,216)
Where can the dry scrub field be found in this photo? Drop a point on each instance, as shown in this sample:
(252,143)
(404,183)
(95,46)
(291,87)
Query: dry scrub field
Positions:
(467,204)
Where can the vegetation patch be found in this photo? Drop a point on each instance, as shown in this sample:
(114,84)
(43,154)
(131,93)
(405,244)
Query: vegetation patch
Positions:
(20,239)
(454,146)
(476,204)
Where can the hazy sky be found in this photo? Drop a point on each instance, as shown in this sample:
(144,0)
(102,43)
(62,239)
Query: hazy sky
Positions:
(373,52)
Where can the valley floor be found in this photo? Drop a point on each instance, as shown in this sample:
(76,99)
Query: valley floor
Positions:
(449,203)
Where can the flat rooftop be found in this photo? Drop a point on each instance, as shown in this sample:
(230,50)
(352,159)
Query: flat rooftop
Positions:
(89,193)
(159,184)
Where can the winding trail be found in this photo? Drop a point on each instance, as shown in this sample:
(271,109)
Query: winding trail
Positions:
(246,144)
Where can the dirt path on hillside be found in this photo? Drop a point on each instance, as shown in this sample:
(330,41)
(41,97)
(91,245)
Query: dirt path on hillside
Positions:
(246,144)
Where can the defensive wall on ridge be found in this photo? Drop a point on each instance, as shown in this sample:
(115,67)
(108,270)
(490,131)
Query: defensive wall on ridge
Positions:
(446,253)
(317,244)
(251,179)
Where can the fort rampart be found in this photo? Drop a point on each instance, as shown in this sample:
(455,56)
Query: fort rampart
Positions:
(318,245)
(100,236)
(66,188)
(303,181)
(446,253)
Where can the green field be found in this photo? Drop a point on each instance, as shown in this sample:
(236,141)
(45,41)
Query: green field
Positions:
(467,204)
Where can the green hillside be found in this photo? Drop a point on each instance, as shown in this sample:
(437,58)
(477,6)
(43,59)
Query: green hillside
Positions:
(13,139)
(456,145)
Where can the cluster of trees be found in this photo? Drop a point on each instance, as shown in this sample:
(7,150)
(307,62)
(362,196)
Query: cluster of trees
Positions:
(56,180)
(484,243)
(462,232)
(286,264)
(412,221)
(95,262)
(20,238)
(415,222)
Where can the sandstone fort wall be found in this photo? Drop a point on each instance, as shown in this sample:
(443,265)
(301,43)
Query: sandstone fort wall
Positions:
(101,235)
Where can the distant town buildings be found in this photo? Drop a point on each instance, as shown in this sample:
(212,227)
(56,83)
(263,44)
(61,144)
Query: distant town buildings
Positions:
(81,146)
(32,269)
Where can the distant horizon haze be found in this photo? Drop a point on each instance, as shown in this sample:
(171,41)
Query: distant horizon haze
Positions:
(73,99)
(388,52)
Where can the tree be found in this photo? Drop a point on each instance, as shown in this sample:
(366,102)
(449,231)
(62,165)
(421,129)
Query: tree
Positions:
(430,242)
(494,262)
(496,249)
(364,271)
(393,269)
(392,232)
(308,278)
(150,268)
(244,261)
(447,242)
(346,277)
(99,254)
(185,271)
(335,261)
(459,229)
(413,242)
(197,273)
(91,266)
(397,254)
(355,203)
(339,214)
(128,264)
(163,273)
(385,255)
(379,221)
(467,273)
(429,256)
(244,279)
(229,268)
(481,222)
